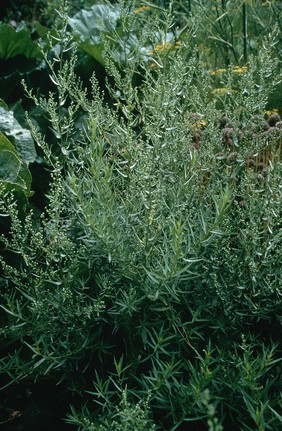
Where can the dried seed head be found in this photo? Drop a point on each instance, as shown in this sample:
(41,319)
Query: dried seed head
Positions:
(272,132)
(228,132)
(261,177)
(233,157)
(196,139)
(223,122)
(273,119)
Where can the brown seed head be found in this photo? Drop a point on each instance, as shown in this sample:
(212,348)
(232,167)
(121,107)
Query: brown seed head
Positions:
(273,119)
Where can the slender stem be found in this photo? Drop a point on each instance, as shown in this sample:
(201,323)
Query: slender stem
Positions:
(245,32)
(223,26)
(190,6)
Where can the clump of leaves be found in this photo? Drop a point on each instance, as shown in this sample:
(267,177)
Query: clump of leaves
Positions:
(126,417)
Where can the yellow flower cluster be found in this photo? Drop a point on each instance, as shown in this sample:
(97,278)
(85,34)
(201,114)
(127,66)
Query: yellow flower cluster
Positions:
(271,111)
(236,69)
(160,47)
(217,71)
(240,69)
(196,121)
(142,9)
(199,124)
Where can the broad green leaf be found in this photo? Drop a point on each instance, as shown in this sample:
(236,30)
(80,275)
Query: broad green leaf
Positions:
(94,51)
(41,30)
(6,145)
(88,25)
(14,172)
(9,166)
(21,137)
(3,105)
(13,42)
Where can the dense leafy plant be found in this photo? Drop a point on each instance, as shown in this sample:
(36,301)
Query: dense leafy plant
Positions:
(150,286)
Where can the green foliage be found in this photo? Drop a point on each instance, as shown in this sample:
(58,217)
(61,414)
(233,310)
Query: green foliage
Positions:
(90,24)
(228,31)
(126,417)
(151,283)
(20,136)
(16,152)
(15,42)
(51,292)
(14,173)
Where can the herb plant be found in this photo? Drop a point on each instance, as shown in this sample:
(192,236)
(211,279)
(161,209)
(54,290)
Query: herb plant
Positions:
(150,285)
